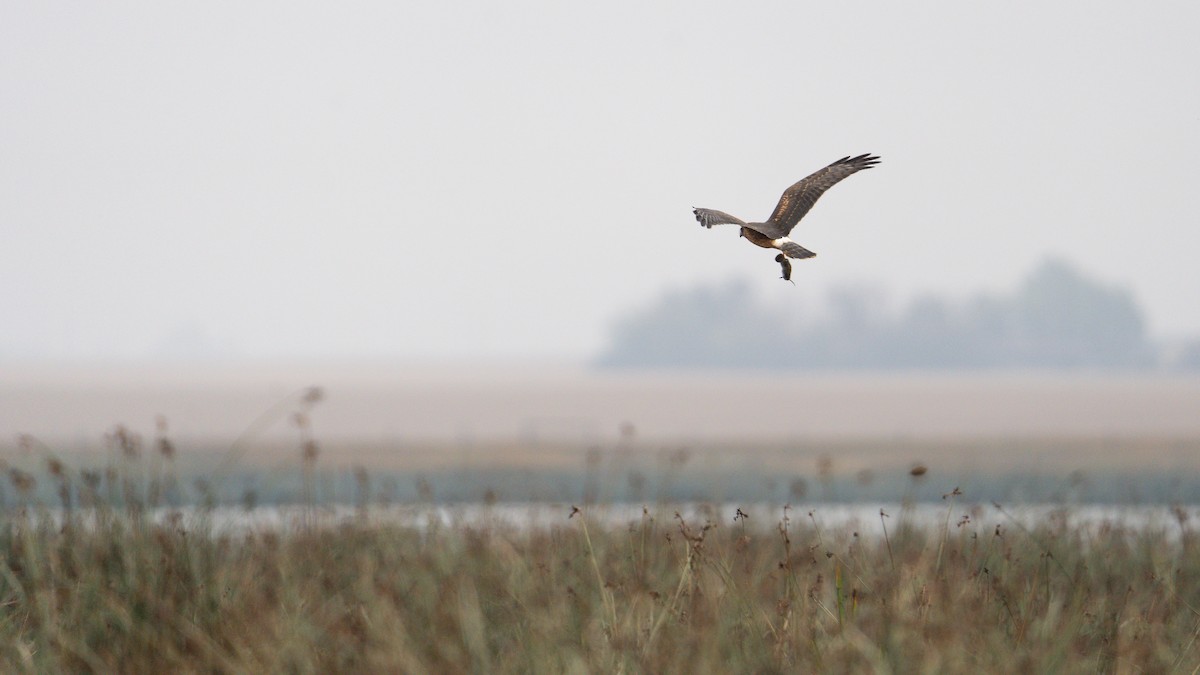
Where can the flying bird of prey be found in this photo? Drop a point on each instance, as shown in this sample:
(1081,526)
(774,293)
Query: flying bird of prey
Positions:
(795,202)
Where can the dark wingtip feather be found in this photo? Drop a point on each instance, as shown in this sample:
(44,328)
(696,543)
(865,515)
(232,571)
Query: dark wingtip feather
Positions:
(863,161)
(866,160)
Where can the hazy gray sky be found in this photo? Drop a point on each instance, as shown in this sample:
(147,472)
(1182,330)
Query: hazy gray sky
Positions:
(387,179)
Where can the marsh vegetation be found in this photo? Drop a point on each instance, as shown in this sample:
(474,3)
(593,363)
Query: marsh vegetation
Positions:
(114,591)
(125,560)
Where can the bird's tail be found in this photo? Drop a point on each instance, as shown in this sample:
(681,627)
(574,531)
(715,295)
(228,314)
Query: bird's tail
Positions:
(793,250)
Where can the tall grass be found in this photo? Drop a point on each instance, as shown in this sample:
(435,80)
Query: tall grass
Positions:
(112,591)
(103,582)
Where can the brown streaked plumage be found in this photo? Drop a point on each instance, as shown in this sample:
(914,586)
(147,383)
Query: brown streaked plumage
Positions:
(795,202)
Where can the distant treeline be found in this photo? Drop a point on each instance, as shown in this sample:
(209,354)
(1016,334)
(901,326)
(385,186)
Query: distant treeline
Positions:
(1056,318)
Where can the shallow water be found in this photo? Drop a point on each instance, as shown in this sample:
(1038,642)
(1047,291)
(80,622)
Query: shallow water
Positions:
(835,520)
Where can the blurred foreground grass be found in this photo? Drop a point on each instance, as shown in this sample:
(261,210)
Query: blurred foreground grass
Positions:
(107,590)
(95,578)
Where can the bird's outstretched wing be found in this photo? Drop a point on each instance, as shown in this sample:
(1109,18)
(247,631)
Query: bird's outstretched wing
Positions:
(710,217)
(799,198)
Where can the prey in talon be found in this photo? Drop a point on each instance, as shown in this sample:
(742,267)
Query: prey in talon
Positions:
(786,266)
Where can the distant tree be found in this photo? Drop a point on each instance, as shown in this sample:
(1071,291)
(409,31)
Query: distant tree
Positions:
(849,337)
(1066,320)
(722,326)
(932,333)
(991,325)
(1056,318)
(1186,358)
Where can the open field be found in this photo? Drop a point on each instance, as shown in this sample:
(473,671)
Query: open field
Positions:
(486,404)
(151,547)
(110,591)
(567,435)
